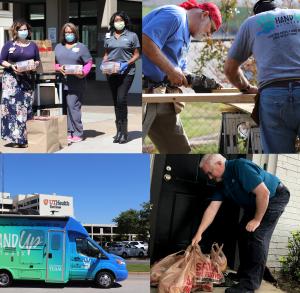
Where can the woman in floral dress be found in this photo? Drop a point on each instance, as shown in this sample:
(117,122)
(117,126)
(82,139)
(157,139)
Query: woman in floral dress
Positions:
(17,87)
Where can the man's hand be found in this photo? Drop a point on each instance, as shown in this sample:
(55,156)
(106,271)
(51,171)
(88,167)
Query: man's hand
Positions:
(252,225)
(197,238)
(252,90)
(177,78)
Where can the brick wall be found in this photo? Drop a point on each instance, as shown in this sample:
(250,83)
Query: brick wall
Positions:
(288,170)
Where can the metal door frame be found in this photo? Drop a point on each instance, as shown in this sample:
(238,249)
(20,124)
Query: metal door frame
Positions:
(63,254)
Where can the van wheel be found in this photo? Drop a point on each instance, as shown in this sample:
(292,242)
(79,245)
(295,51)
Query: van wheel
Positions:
(124,254)
(5,279)
(104,279)
(141,254)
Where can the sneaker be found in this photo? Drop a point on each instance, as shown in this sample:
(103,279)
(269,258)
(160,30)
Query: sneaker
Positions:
(69,138)
(76,139)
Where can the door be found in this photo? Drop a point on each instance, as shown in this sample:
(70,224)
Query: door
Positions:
(179,197)
(56,256)
(84,259)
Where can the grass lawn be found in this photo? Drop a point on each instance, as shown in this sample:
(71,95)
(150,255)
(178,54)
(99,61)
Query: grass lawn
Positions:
(201,119)
(138,267)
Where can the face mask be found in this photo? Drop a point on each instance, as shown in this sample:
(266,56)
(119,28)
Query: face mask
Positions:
(23,34)
(119,25)
(70,37)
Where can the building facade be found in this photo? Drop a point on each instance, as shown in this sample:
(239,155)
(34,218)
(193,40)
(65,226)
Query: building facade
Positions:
(102,233)
(6,17)
(90,16)
(6,203)
(45,204)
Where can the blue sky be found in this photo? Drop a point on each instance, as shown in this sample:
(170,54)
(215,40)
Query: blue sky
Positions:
(103,185)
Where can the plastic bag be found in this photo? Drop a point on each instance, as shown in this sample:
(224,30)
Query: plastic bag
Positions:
(218,256)
(160,267)
(180,276)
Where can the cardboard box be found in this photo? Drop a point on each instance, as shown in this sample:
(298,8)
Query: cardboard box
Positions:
(73,69)
(47,56)
(26,65)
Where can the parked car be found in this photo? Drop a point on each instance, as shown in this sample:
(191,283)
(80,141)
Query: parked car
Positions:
(138,244)
(126,250)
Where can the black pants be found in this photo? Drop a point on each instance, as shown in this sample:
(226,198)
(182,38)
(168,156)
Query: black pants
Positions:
(254,246)
(119,85)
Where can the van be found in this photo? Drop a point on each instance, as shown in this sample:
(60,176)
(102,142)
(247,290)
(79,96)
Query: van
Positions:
(54,250)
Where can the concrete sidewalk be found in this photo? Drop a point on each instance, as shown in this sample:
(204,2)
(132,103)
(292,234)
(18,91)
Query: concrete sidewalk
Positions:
(99,129)
(264,288)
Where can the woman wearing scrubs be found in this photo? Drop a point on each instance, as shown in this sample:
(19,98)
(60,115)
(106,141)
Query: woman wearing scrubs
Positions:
(71,52)
(17,86)
(121,45)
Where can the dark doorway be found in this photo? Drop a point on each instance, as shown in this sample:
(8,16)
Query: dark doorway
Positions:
(179,195)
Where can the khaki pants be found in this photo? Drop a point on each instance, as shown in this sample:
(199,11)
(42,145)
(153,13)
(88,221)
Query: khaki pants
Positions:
(163,125)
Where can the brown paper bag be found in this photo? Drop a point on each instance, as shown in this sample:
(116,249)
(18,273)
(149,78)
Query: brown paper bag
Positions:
(43,135)
(62,131)
(62,125)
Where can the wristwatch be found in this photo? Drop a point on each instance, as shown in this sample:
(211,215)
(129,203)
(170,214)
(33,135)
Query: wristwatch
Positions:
(246,89)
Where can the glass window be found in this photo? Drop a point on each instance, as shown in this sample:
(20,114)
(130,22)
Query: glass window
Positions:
(36,11)
(87,248)
(88,229)
(107,230)
(73,10)
(37,33)
(96,230)
(89,36)
(55,241)
(88,9)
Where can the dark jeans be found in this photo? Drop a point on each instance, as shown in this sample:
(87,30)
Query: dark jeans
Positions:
(119,85)
(254,246)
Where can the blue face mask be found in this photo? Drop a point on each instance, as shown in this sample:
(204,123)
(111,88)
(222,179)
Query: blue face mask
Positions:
(70,37)
(23,34)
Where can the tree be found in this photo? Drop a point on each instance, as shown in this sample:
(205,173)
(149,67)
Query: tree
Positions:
(134,222)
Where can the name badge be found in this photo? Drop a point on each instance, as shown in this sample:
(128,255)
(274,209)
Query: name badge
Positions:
(11,50)
(107,35)
(76,50)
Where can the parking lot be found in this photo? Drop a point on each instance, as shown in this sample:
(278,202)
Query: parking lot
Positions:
(136,283)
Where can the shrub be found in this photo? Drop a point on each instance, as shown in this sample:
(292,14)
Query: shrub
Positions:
(291,262)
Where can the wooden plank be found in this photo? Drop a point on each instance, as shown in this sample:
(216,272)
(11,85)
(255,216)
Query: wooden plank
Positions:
(202,97)
(226,90)
(247,107)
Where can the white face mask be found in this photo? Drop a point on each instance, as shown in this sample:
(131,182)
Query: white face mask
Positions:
(119,25)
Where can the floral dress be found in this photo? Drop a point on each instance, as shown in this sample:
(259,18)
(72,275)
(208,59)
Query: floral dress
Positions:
(17,94)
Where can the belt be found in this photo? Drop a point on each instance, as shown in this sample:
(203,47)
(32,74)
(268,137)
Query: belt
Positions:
(280,187)
(282,83)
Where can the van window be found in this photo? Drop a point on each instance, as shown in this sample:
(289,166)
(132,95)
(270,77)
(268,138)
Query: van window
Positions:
(55,241)
(87,248)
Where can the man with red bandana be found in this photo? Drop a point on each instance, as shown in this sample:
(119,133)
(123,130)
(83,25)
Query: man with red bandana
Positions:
(167,32)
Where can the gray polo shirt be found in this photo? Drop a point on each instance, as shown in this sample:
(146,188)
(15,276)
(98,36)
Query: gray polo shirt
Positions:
(77,55)
(121,49)
(273,37)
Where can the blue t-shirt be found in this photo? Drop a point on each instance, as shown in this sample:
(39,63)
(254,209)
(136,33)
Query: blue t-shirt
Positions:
(240,178)
(167,26)
(273,37)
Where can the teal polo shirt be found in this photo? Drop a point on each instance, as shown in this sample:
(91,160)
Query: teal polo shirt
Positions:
(240,177)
